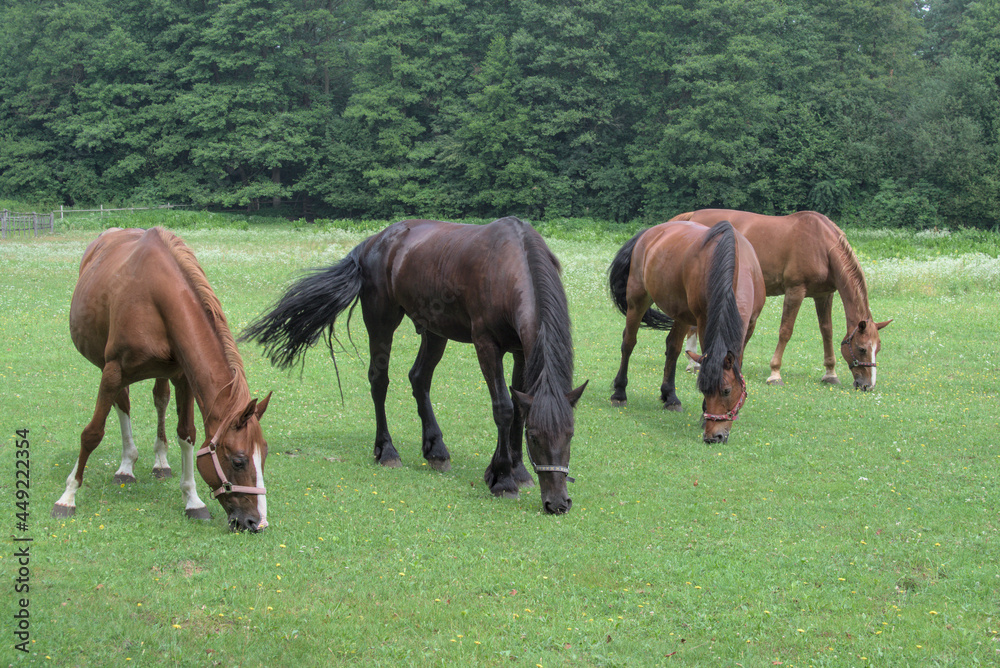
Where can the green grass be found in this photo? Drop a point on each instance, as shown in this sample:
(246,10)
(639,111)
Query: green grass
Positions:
(834,529)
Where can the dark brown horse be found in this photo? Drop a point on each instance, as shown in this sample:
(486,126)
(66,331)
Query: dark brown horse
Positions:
(142,308)
(699,277)
(496,286)
(804,255)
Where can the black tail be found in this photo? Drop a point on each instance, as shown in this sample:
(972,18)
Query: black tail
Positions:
(618,282)
(310,305)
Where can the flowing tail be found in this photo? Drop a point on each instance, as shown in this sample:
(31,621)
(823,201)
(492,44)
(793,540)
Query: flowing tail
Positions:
(618,282)
(310,305)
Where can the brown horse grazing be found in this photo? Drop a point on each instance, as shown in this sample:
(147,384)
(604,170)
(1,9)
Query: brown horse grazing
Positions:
(804,255)
(142,308)
(699,277)
(496,286)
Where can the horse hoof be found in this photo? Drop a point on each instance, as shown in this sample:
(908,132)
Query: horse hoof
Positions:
(693,368)
(440,465)
(511,495)
(60,511)
(123,479)
(676,408)
(830,380)
(530,482)
(160,474)
(392,463)
(776,382)
(619,403)
(198,513)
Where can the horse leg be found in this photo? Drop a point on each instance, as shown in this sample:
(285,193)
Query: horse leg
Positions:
(381,322)
(125,473)
(824,312)
(161,398)
(789,311)
(431,349)
(520,473)
(692,346)
(499,475)
(668,393)
(90,438)
(194,507)
(633,318)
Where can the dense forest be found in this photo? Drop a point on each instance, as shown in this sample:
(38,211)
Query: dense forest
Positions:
(884,112)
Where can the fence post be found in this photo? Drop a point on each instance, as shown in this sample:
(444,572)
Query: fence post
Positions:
(34,216)
(3,224)
(52,222)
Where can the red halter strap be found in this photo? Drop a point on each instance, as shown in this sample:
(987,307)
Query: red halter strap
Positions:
(854,360)
(227,487)
(734,413)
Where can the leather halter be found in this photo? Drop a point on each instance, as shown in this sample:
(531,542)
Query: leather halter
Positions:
(226,486)
(734,413)
(854,360)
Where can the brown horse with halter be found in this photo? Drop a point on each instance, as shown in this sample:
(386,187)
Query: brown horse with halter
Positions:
(496,286)
(142,308)
(803,255)
(703,278)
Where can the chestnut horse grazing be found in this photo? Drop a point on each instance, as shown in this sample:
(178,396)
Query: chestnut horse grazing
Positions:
(142,308)
(803,255)
(699,277)
(496,286)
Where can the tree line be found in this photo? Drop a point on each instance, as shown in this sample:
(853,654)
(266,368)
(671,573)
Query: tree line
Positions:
(872,111)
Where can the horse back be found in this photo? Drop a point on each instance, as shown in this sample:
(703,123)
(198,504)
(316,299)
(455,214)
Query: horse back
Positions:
(458,280)
(668,264)
(793,250)
(117,302)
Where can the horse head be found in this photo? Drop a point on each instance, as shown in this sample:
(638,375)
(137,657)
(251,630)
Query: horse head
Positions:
(723,398)
(859,349)
(548,425)
(232,463)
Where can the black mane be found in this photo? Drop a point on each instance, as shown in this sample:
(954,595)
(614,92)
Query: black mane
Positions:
(724,329)
(548,368)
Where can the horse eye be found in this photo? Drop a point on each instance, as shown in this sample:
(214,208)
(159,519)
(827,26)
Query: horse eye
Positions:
(239,463)
(726,392)
(862,351)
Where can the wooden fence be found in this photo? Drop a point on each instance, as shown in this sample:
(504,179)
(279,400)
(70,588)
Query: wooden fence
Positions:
(22,224)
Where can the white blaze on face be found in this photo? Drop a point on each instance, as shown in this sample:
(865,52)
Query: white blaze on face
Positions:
(874,370)
(261,499)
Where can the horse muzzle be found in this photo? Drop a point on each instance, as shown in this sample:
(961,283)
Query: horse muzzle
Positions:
(240,520)
(557,506)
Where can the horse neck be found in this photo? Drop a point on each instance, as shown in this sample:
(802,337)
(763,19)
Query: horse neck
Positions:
(218,387)
(850,283)
(201,340)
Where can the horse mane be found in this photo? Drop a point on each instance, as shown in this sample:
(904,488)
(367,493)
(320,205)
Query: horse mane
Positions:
(855,278)
(548,368)
(724,329)
(198,282)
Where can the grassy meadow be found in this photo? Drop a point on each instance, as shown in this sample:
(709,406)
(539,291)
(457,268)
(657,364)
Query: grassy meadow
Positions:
(835,528)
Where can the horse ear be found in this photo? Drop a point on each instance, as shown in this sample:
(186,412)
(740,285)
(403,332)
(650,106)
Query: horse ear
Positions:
(880,325)
(262,406)
(729,362)
(574,396)
(245,416)
(523,400)
(862,325)
(695,357)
